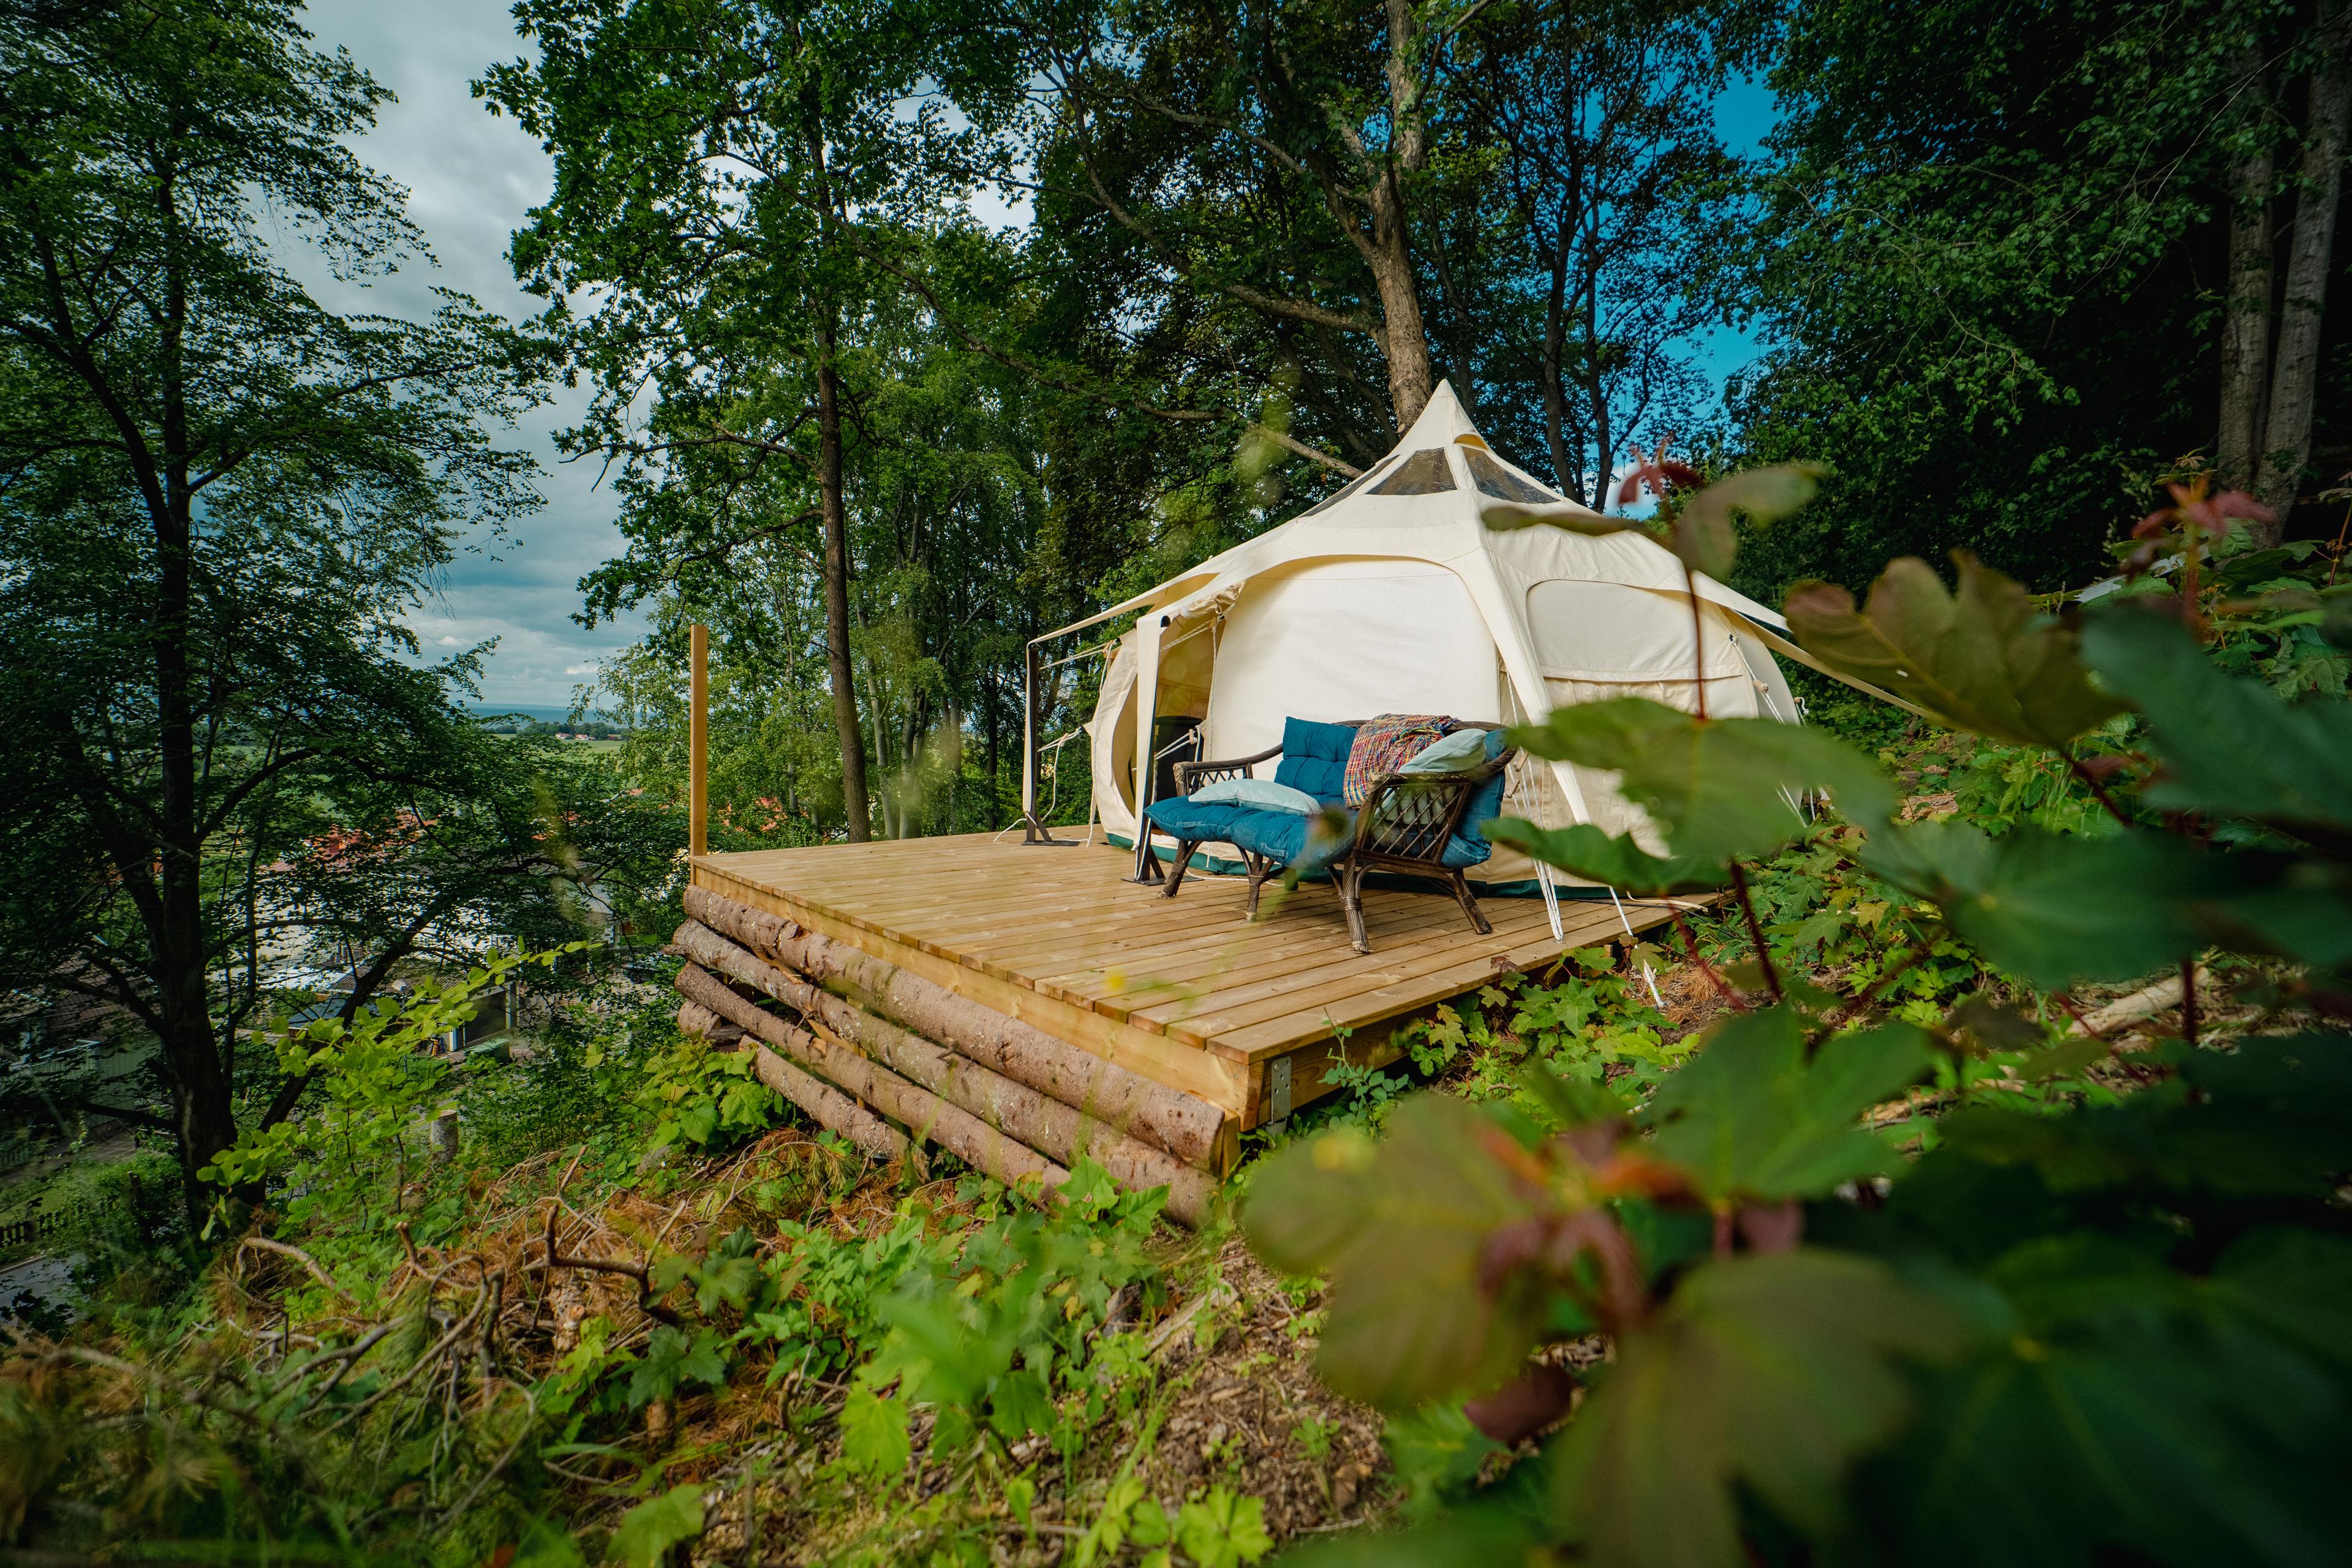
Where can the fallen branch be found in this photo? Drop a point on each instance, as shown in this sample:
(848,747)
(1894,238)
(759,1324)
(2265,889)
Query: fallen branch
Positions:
(2144,1003)
(304,1258)
(646,1302)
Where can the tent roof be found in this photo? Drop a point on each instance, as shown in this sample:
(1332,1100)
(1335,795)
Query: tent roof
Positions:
(1435,526)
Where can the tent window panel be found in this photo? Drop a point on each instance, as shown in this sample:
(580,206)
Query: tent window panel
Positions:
(1423,474)
(1344,491)
(1611,631)
(1499,481)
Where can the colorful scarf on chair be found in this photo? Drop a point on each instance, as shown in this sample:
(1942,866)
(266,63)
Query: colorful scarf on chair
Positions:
(1386,745)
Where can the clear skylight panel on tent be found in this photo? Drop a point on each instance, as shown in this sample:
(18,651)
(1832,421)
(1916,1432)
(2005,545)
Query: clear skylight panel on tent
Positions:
(1423,474)
(1493,478)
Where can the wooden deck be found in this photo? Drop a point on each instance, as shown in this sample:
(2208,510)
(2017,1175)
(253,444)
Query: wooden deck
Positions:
(1182,989)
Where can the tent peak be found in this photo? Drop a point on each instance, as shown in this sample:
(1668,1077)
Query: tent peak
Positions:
(1442,422)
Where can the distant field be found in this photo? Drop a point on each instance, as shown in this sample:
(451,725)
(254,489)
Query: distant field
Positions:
(601,747)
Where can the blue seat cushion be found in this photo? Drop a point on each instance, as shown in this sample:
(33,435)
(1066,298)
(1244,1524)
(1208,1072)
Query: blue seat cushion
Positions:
(1315,758)
(1280,836)
(1284,836)
(1185,818)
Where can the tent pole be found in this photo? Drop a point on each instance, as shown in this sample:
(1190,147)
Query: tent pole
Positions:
(1033,831)
(1631,941)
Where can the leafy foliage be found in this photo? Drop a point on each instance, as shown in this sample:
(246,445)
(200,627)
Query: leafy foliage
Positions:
(2026,1329)
(1980,659)
(376,1084)
(1584,1020)
(223,500)
(2028,327)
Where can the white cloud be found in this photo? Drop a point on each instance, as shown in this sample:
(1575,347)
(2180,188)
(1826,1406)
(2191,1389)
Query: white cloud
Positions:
(471,180)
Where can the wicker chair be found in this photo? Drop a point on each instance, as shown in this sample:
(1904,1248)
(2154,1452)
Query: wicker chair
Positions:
(1406,825)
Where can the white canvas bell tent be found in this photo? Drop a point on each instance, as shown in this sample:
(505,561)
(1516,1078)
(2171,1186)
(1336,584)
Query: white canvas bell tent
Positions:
(1395,596)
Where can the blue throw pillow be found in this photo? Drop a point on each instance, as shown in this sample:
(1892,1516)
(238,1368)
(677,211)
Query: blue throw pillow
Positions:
(1315,757)
(1468,846)
(1263,794)
(1449,753)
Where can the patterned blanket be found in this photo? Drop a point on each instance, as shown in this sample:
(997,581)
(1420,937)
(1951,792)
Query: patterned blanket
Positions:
(1385,744)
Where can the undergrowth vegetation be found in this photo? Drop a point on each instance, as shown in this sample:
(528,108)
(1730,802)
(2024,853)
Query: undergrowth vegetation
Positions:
(635,1315)
(1965,1184)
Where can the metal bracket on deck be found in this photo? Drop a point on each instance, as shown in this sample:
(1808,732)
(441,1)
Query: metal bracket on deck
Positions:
(1277,1088)
(1035,832)
(1147,862)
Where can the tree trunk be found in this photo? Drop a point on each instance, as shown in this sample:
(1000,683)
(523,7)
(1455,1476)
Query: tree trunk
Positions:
(1596,391)
(836,583)
(1571,476)
(910,766)
(204,1121)
(2294,378)
(1059,1131)
(827,1106)
(2246,320)
(988,737)
(201,1090)
(1404,336)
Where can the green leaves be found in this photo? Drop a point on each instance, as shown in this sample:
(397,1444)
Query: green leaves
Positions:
(671,1359)
(1584,850)
(1719,789)
(2273,1119)
(2230,748)
(1400,1228)
(1752,1120)
(1223,1529)
(648,1531)
(2129,1410)
(1703,537)
(1218,1530)
(1981,660)
(1768,1373)
(873,1440)
(2053,909)
(2057,909)
(1434,1452)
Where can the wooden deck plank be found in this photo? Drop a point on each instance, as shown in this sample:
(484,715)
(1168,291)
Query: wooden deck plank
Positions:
(1303,923)
(1257,1031)
(1183,989)
(1334,963)
(1236,952)
(1311,989)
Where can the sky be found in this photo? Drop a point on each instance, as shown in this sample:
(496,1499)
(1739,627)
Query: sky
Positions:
(471,180)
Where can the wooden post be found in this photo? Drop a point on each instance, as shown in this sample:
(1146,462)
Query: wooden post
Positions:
(698,743)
